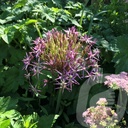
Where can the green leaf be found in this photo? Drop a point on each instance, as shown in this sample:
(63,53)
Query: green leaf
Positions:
(14,80)
(30,21)
(66,117)
(2,28)
(7,103)
(20,3)
(76,23)
(71,125)
(50,17)
(56,10)
(30,121)
(121,57)
(8,34)
(11,114)
(5,123)
(47,121)
(2,21)
(16,55)
(3,52)
(5,38)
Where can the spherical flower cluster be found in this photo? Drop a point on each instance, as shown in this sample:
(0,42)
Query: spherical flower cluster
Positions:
(117,81)
(67,55)
(100,116)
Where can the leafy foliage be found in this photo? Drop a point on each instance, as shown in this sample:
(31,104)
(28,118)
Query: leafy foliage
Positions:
(121,57)
(12,118)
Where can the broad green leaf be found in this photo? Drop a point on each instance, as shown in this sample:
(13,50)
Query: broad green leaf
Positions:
(7,103)
(71,125)
(67,12)
(30,121)
(54,120)
(27,121)
(47,121)
(74,22)
(2,28)
(121,57)
(5,38)
(2,21)
(8,34)
(18,124)
(16,55)
(50,17)
(5,123)
(3,52)
(65,17)
(20,3)
(56,10)
(66,117)
(11,114)
(14,80)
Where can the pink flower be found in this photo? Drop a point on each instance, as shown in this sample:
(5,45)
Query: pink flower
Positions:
(117,81)
(65,55)
(100,115)
(102,102)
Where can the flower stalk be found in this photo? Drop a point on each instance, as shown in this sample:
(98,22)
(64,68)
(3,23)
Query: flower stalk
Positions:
(59,100)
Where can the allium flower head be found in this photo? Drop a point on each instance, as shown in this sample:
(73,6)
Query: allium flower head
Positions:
(67,55)
(117,81)
(100,116)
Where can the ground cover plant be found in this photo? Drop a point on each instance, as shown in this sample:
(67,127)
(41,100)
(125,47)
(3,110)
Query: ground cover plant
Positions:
(48,48)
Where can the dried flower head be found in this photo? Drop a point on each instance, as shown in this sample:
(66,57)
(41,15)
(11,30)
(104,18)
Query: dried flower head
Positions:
(67,55)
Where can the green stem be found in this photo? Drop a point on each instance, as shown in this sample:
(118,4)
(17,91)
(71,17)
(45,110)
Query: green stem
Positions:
(86,2)
(52,98)
(120,93)
(81,18)
(38,30)
(90,26)
(58,100)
